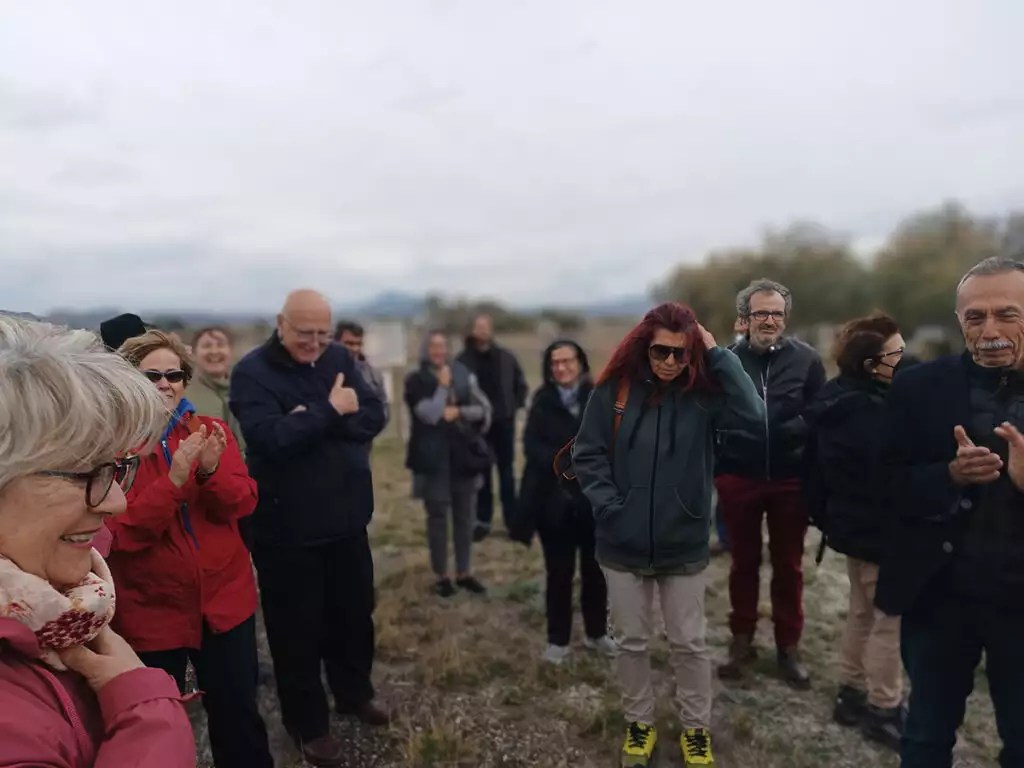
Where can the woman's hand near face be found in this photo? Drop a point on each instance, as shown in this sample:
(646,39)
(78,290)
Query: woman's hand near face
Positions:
(105,658)
(209,459)
(186,456)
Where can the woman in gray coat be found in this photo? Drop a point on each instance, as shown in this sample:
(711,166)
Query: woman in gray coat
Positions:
(447,456)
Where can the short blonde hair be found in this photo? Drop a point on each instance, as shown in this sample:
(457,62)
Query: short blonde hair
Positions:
(137,349)
(67,403)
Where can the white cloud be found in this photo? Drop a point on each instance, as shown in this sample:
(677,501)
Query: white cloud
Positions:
(478,146)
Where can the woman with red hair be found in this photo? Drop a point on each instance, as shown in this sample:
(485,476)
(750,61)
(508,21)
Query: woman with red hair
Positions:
(644,457)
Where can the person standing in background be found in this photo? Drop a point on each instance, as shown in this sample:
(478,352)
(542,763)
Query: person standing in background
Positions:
(447,409)
(565,522)
(758,476)
(117,330)
(501,378)
(351,335)
(308,419)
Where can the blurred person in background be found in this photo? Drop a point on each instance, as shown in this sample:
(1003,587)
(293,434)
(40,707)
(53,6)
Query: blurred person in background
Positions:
(846,495)
(565,523)
(185,581)
(72,692)
(308,418)
(501,379)
(214,355)
(650,485)
(351,335)
(758,472)
(954,570)
(449,416)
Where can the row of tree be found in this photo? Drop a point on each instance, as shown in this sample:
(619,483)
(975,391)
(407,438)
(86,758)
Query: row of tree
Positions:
(912,277)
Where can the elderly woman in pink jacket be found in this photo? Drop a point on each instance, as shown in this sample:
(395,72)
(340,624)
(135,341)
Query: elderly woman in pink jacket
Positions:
(72,693)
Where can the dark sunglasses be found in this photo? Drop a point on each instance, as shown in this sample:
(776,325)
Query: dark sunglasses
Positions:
(100,480)
(662,352)
(173,377)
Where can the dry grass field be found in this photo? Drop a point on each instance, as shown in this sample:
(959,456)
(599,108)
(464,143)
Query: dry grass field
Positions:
(468,687)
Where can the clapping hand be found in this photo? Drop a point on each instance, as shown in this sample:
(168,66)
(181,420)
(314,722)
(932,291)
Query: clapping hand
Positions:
(209,459)
(188,452)
(974,465)
(343,399)
(1015,465)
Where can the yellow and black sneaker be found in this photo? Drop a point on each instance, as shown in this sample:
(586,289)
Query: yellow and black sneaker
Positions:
(639,747)
(696,743)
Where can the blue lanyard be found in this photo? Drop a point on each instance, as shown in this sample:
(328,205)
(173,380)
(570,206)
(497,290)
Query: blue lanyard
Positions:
(185,519)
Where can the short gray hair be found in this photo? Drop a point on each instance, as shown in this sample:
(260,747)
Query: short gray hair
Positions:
(67,403)
(993,265)
(761,285)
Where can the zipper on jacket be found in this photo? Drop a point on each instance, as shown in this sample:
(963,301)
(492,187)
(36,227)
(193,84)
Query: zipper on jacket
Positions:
(654,473)
(183,517)
(767,435)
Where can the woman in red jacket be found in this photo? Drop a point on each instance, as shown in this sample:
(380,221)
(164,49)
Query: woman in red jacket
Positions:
(183,574)
(72,692)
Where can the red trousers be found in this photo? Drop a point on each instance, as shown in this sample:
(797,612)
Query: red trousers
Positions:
(745,503)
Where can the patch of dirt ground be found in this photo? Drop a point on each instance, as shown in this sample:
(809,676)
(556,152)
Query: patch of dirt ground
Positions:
(468,687)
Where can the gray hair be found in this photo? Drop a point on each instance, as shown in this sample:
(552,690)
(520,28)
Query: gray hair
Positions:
(993,265)
(762,285)
(67,403)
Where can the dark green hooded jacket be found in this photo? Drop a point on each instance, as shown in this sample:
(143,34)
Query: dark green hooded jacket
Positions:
(652,500)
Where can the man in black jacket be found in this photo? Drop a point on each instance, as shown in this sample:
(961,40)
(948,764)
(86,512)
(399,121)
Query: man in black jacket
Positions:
(501,378)
(307,416)
(955,569)
(758,475)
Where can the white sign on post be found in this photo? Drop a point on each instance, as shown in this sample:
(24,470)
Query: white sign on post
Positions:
(386,344)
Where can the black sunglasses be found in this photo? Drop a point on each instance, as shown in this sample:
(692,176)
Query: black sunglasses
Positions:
(173,377)
(100,480)
(662,352)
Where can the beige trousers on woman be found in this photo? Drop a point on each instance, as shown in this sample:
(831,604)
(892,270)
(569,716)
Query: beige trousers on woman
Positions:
(631,609)
(870,658)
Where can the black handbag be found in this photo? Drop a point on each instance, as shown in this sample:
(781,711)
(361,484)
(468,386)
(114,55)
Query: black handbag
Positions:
(470,452)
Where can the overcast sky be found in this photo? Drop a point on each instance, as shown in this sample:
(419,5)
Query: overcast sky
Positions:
(202,154)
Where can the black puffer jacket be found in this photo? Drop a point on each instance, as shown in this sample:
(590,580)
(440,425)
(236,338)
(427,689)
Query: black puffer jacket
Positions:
(844,480)
(787,377)
(549,426)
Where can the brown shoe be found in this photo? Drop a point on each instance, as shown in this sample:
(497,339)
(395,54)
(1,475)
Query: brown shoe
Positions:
(369,712)
(324,752)
(792,669)
(742,654)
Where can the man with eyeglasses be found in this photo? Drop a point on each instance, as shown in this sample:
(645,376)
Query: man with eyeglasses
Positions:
(758,476)
(955,569)
(308,416)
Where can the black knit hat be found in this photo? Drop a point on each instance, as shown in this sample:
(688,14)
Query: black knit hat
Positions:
(117,330)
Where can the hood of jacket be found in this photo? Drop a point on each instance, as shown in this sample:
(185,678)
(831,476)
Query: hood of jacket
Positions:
(549,377)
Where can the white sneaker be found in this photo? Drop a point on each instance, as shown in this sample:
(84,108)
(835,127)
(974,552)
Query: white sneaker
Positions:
(556,654)
(603,645)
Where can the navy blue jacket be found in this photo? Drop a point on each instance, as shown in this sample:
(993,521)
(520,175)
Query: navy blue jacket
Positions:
(312,468)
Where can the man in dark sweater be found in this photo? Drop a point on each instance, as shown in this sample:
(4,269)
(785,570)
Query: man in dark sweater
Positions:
(758,477)
(501,378)
(955,570)
(308,417)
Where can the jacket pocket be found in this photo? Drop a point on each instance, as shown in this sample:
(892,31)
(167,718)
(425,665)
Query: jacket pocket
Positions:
(681,525)
(625,528)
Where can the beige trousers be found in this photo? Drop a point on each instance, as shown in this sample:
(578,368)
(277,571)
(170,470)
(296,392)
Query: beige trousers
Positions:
(870,659)
(631,610)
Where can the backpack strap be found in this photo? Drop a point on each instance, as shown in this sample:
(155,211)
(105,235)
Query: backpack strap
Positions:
(621,398)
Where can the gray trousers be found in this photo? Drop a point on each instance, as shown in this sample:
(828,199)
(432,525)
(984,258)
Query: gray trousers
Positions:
(461,507)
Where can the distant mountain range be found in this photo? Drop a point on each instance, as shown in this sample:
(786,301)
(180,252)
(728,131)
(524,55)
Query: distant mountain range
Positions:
(390,304)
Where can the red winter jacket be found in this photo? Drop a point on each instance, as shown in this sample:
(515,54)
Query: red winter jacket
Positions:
(53,719)
(169,581)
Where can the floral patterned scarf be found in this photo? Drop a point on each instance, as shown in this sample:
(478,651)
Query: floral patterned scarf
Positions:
(59,619)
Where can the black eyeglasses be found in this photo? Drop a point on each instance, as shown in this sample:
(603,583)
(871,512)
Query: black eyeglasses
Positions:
(764,314)
(100,480)
(662,352)
(173,377)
